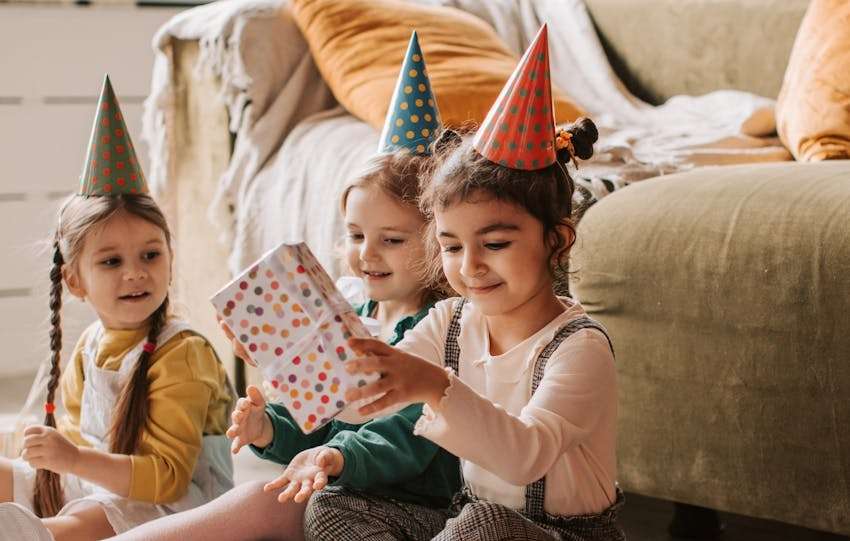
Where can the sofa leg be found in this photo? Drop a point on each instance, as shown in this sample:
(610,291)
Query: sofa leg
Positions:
(694,522)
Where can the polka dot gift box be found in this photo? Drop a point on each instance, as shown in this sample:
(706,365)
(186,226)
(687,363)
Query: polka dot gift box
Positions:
(295,325)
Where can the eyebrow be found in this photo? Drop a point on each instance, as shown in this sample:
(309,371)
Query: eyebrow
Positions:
(498,226)
(393,229)
(114,248)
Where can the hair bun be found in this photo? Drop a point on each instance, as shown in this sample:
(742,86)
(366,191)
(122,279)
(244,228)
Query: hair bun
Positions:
(584,134)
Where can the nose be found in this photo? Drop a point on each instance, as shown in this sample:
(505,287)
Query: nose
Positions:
(135,272)
(472,266)
(369,251)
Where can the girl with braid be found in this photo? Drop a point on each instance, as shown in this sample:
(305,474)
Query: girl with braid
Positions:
(146,400)
(518,383)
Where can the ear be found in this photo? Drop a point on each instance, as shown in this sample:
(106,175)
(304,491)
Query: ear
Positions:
(567,236)
(73,282)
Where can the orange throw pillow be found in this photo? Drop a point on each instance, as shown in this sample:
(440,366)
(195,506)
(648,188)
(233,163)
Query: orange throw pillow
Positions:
(359,46)
(813,109)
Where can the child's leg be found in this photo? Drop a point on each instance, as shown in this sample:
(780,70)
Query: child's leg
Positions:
(338,513)
(485,521)
(245,512)
(6,483)
(84,524)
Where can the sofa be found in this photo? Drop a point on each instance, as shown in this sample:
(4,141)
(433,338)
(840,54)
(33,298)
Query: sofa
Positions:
(723,288)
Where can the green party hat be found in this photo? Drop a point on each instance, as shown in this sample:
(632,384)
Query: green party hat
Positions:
(111,166)
(412,118)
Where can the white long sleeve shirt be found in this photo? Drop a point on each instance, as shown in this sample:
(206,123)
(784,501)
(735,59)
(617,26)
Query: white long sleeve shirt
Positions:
(506,438)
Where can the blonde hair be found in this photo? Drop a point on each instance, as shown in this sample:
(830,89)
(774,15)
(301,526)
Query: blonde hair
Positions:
(399,175)
(78,216)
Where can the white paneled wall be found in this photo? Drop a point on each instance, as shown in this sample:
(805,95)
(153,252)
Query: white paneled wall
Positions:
(52,62)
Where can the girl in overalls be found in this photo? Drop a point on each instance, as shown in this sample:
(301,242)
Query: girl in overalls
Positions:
(517,382)
(146,399)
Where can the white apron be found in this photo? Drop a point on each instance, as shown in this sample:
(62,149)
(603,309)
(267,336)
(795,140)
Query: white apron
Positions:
(213,473)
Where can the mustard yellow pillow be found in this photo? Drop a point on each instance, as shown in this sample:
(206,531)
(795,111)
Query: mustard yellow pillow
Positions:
(813,109)
(359,45)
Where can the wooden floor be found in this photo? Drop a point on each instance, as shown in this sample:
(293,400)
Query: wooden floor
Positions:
(646,519)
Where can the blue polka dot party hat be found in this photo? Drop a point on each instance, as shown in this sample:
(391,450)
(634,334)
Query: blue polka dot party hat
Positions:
(111,166)
(412,118)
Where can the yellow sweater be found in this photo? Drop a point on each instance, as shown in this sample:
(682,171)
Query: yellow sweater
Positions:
(188,398)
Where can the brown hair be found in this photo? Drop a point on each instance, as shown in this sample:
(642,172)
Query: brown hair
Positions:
(399,174)
(77,217)
(460,173)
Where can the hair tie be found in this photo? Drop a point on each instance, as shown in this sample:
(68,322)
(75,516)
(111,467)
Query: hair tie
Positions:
(49,407)
(564,140)
(149,347)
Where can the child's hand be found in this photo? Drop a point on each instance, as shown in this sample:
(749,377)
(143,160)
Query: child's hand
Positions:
(238,348)
(250,425)
(46,448)
(307,473)
(405,378)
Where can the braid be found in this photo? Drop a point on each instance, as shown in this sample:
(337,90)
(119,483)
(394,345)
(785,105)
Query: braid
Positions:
(47,496)
(131,412)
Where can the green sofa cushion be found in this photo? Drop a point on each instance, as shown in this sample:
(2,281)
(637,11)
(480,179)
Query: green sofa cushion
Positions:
(726,291)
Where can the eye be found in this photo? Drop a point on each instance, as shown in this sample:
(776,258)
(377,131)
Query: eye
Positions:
(150,256)
(355,237)
(393,241)
(497,245)
(111,262)
(451,249)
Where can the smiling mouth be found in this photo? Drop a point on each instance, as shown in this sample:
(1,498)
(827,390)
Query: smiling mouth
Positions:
(374,274)
(137,296)
(482,289)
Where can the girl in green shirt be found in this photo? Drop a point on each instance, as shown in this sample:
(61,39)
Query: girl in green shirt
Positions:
(385,482)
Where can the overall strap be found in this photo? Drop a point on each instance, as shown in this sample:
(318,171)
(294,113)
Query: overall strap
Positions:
(452,349)
(535,493)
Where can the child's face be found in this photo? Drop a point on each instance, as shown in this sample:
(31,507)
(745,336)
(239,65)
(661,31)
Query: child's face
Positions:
(124,270)
(493,253)
(383,243)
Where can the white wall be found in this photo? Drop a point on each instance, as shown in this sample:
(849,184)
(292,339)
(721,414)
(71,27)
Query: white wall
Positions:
(52,62)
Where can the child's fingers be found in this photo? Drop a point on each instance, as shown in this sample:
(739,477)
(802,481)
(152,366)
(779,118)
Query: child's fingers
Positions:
(241,352)
(236,445)
(389,399)
(255,396)
(366,365)
(276,484)
(320,481)
(370,346)
(226,330)
(289,492)
(32,430)
(34,439)
(383,385)
(304,492)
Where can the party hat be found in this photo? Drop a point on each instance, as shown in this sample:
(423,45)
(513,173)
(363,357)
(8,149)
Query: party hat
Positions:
(413,117)
(111,166)
(519,130)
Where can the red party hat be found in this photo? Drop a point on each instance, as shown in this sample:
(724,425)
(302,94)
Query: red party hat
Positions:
(519,131)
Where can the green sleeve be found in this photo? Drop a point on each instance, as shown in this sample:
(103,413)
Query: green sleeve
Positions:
(288,440)
(383,451)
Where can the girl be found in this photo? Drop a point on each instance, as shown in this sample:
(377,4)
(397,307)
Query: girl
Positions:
(527,399)
(388,482)
(146,399)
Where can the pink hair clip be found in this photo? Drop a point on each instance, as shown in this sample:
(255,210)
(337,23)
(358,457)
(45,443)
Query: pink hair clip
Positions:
(149,347)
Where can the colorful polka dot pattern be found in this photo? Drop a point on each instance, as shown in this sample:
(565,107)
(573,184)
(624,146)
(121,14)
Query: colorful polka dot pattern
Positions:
(412,118)
(519,131)
(111,166)
(295,325)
